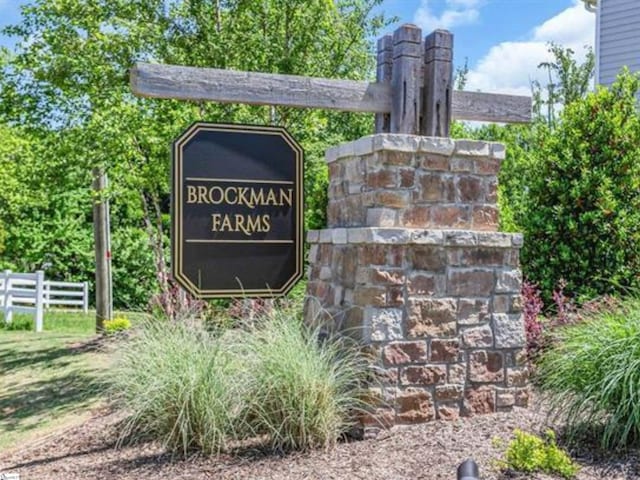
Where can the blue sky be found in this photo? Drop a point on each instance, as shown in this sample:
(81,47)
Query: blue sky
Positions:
(504,40)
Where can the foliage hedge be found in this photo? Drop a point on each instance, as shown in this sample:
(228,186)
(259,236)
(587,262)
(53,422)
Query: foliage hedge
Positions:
(582,215)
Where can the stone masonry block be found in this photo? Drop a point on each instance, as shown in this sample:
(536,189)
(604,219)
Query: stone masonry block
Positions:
(470,189)
(485,217)
(450,216)
(383,324)
(473,311)
(509,281)
(414,405)
(479,400)
(431,317)
(472,148)
(423,375)
(470,282)
(402,353)
(508,330)
(417,216)
(441,146)
(428,258)
(444,351)
(449,392)
(486,366)
(477,337)
(432,163)
(381,217)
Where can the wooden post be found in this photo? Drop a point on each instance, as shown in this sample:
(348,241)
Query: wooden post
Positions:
(102,254)
(406,80)
(438,84)
(39,300)
(383,75)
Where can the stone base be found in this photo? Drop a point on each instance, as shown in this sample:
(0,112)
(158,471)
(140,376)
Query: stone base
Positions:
(440,310)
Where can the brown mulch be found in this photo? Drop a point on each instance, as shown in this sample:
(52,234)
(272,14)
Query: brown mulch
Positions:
(430,451)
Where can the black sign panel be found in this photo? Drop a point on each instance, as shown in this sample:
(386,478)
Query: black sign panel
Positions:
(236,211)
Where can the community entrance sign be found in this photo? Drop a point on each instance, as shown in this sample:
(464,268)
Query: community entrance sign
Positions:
(236,210)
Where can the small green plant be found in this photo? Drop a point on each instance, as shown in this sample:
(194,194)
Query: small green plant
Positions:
(591,375)
(529,453)
(19,322)
(117,324)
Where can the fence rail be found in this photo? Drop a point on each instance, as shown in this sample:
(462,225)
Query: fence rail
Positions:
(30,293)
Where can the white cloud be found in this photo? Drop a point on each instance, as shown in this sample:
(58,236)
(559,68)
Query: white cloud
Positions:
(457,12)
(509,67)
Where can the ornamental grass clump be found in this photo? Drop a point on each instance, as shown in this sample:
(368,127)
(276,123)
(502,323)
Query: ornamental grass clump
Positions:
(306,388)
(591,375)
(180,385)
(273,382)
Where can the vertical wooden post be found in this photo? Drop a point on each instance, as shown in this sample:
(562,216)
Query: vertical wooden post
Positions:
(438,84)
(383,75)
(39,300)
(406,80)
(102,254)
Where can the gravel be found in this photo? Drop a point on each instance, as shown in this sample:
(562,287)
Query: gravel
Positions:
(429,451)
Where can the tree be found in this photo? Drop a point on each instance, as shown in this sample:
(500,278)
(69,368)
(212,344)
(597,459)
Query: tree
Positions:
(68,79)
(568,81)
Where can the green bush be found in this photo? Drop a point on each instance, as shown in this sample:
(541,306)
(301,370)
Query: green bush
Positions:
(591,376)
(581,215)
(529,453)
(275,382)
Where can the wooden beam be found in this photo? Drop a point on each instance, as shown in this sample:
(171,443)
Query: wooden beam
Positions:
(228,86)
(491,107)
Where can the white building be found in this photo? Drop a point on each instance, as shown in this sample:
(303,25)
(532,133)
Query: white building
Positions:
(617,37)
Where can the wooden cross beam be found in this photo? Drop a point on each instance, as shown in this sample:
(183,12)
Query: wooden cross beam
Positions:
(413,92)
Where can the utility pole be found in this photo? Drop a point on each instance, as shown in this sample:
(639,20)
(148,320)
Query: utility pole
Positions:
(102,238)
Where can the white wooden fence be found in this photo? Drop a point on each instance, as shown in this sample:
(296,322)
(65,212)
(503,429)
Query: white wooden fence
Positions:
(31,293)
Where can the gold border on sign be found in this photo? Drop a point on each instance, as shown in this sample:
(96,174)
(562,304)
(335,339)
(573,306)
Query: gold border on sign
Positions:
(177,211)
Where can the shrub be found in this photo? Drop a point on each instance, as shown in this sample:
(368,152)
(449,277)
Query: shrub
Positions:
(306,388)
(581,216)
(180,385)
(118,324)
(529,453)
(275,381)
(591,375)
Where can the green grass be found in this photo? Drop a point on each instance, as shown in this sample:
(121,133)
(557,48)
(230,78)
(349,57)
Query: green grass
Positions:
(48,379)
(63,321)
(275,381)
(591,376)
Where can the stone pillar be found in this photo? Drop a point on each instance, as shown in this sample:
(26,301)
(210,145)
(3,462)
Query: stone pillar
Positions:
(412,265)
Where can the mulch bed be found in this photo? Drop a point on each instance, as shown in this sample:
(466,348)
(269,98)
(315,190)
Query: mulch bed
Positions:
(430,451)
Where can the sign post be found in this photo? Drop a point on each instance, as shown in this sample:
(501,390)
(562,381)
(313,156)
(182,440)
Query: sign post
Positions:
(237,211)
